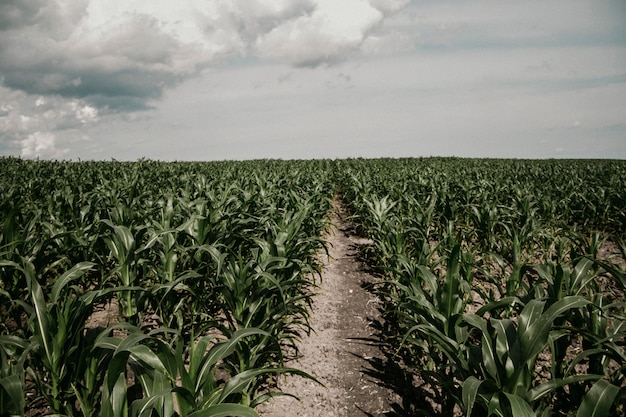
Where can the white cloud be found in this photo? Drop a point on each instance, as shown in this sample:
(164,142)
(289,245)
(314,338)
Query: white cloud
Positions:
(328,34)
(41,145)
(389,6)
(25,121)
(84,113)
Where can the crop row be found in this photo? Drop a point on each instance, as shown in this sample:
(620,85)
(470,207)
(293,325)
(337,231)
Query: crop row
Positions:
(503,281)
(149,288)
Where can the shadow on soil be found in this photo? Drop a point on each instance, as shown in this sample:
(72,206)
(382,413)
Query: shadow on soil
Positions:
(413,399)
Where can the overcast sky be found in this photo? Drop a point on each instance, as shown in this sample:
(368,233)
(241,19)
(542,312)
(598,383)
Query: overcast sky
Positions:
(245,79)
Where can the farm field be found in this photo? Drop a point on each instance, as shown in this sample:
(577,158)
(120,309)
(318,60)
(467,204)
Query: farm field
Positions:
(150,288)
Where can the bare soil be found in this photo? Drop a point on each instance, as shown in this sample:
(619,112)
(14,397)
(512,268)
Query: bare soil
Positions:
(344,352)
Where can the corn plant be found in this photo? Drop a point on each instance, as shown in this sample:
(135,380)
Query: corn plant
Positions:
(125,251)
(254,299)
(504,382)
(169,290)
(57,360)
(13,353)
(19,241)
(429,311)
(183,380)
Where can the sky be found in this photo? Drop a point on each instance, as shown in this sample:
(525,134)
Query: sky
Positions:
(309,79)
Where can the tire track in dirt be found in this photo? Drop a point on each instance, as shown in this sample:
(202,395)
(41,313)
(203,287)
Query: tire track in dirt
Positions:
(344,345)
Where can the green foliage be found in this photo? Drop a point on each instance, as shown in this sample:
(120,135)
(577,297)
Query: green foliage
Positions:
(493,287)
(497,285)
(185,250)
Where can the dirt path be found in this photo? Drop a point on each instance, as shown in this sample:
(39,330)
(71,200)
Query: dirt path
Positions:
(343,352)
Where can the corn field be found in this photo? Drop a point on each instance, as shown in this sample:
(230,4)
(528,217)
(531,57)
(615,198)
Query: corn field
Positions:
(503,281)
(176,289)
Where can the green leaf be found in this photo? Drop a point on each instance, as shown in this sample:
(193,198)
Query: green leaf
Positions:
(529,315)
(448,346)
(493,305)
(161,402)
(495,406)
(122,243)
(114,395)
(75,272)
(469,392)
(238,382)
(581,276)
(5,262)
(551,385)
(519,406)
(13,403)
(583,356)
(620,276)
(489,359)
(534,329)
(14,341)
(506,349)
(269,395)
(599,400)
(42,319)
(431,279)
(451,298)
(226,410)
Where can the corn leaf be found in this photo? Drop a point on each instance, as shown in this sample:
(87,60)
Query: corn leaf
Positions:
(535,327)
(469,392)
(11,396)
(599,400)
(519,407)
(226,410)
(551,385)
(75,272)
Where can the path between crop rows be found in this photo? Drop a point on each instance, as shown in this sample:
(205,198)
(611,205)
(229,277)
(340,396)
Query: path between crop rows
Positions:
(343,351)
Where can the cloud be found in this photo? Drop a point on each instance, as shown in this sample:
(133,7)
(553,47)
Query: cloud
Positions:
(124,64)
(239,24)
(68,65)
(5,110)
(296,32)
(55,18)
(389,6)
(25,120)
(16,13)
(329,33)
(121,57)
(41,145)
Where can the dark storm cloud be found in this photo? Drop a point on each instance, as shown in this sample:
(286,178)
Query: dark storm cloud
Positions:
(124,65)
(125,89)
(18,13)
(57,19)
